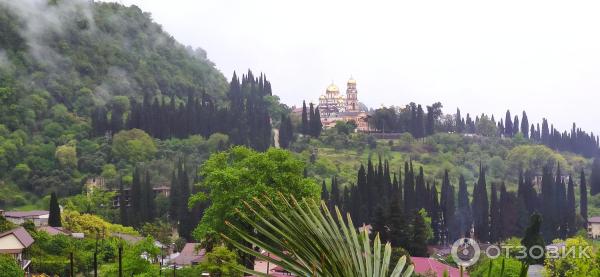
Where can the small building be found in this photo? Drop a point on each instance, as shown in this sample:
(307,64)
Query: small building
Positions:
(162,190)
(594,227)
(39,218)
(14,243)
(53,231)
(431,267)
(191,254)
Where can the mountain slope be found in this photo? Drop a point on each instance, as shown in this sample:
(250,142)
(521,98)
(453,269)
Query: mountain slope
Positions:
(78,53)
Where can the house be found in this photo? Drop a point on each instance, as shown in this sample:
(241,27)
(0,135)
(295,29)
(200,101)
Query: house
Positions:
(429,266)
(270,268)
(15,242)
(190,255)
(594,227)
(53,231)
(162,190)
(39,218)
(131,239)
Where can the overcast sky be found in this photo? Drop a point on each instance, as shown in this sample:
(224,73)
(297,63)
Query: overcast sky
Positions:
(481,56)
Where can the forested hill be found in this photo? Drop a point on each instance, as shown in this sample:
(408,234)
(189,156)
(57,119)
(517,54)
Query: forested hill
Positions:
(80,53)
(73,73)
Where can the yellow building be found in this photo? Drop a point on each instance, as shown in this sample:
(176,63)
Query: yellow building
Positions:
(334,107)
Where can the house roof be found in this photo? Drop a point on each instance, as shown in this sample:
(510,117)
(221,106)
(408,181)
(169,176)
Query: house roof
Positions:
(428,265)
(21,234)
(190,255)
(25,214)
(595,219)
(53,230)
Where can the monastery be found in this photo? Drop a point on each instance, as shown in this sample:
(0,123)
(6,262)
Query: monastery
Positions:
(334,107)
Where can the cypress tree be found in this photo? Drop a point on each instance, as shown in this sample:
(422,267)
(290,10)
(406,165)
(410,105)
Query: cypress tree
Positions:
(571,213)
(335,193)
(379,225)
(311,120)
(420,123)
(448,208)
(459,122)
(148,206)
(184,227)
(495,217)
(324,193)
(418,243)
(399,234)
(286,134)
(533,238)
(481,208)
(560,204)
(516,125)
(305,126)
(54,219)
(122,204)
(440,229)
(508,126)
(174,196)
(525,125)
(583,203)
(510,214)
(548,204)
(409,189)
(316,124)
(136,198)
(421,191)
(595,178)
(465,218)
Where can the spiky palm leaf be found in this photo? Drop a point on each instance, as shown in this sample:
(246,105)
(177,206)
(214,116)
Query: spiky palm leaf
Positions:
(309,242)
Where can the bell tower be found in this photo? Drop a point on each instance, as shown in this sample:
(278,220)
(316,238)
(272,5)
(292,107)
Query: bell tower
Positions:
(351,96)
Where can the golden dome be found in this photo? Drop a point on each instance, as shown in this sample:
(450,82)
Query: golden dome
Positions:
(352,81)
(321,97)
(332,88)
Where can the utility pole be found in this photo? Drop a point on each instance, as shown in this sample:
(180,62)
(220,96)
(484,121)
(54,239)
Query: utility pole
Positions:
(72,274)
(120,260)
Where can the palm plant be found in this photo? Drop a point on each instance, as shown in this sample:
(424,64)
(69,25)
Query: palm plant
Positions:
(308,241)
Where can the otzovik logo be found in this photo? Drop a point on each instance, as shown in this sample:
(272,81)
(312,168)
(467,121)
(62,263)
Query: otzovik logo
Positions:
(465,252)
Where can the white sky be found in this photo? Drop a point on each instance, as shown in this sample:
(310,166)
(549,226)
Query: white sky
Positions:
(481,56)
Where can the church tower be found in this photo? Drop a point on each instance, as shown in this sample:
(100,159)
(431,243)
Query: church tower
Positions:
(351,96)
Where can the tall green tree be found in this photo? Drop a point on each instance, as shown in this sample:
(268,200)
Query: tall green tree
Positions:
(54,219)
(595,178)
(136,198)
(495,216)
(464,215)
(241,174)
(286,132)
(583,201)
(533,238)
(305,126)
(418,242)
(124,219)
(571,213)
(481,208)
(525,125)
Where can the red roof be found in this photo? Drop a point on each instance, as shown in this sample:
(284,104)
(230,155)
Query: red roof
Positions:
(21,234)
(428,266)
(190,255)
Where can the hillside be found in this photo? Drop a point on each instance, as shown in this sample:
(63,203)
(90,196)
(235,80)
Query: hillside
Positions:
(59,61)
(338,154)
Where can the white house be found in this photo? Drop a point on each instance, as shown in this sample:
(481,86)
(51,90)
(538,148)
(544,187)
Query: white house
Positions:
(39,218)
(14,242)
